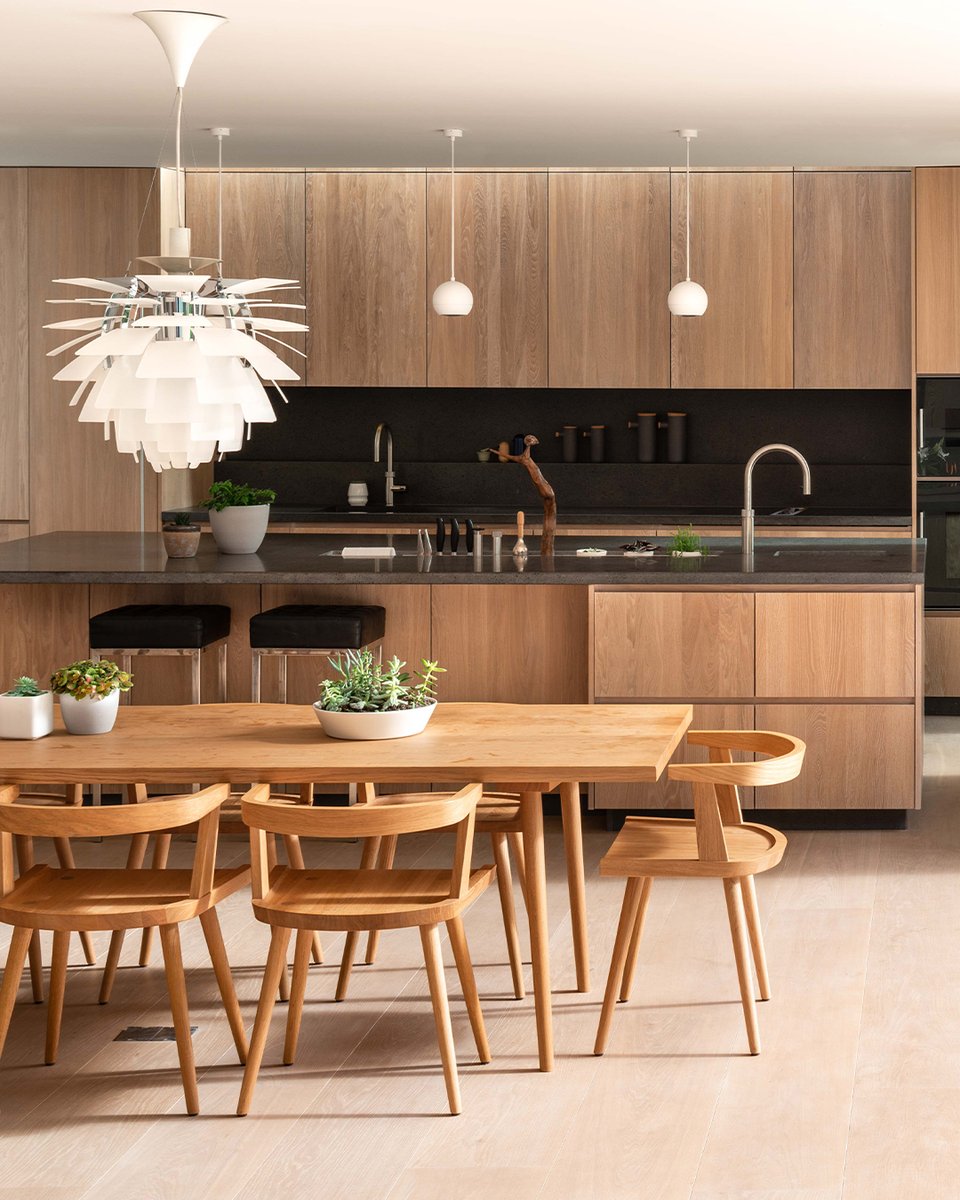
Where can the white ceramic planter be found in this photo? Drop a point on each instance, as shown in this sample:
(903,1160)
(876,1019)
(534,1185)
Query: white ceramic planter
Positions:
(91,715)
(375,726)
(26,717)
(240,530)
(686,553)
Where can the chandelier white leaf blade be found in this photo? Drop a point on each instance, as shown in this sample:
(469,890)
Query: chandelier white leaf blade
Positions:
(68,345)
(280,342)
(99,285)
(177,321)
(77,369)
(76,323)
(247,287)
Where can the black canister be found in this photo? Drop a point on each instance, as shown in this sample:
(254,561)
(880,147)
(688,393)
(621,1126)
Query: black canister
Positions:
(516,445)
(597,436)
(646,427)
(568,434)
(676,437)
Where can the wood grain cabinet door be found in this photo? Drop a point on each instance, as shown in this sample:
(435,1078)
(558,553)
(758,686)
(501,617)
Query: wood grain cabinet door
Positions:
(609,278)
(676,645)
(366,278)
(501,231)
(742,253)
(852,279)
(263,226)
(938,270)
(14,340)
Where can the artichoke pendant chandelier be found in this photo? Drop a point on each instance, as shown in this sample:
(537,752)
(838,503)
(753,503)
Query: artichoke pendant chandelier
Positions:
(176,360)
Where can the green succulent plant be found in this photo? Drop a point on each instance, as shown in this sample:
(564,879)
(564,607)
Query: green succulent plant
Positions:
(685,541)
(366,685)
(90,680)
(25,686)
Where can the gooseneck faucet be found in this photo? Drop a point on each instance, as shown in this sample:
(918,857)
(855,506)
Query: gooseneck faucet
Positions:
(391,486)
(746,515)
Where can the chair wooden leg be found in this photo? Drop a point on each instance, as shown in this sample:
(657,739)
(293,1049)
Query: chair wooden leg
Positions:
(430,939)
(630,966)
(12,974)
(628,916)
(25,861)
(515,841)
(576,884)
(135,857)
(66,860)
(161,852)
(295,859)
(508,911)
(368,860)
(738,931)
(298,988)
(58,984)
(210,924)
(388,850)
(468,983)
(177,987)
(752,912)
(276,963)
(283,983)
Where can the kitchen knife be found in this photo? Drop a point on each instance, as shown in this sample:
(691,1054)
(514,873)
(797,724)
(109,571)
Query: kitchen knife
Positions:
(454,535)
(441,533)
(469,535)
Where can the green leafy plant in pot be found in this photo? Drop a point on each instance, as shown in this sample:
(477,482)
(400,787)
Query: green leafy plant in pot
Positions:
(686,543)
(90,694)
(238,515)
(26,711)
(370,700)
(181,536)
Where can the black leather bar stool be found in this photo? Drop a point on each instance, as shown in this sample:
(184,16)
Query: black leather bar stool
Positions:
(297,629)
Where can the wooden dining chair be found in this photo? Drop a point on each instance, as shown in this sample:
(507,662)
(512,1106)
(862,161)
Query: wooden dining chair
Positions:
(498,815)
(716,844)
(75,900)
(288,898)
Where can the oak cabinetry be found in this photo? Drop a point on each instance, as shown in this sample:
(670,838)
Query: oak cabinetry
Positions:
(502,257)
(14,340)
(852,279)
(942,654)
(609,277)
(264,218)
(366,278)
(938,270)
(742,253)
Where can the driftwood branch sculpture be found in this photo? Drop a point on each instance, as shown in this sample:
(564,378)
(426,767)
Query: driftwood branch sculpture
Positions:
(546,491)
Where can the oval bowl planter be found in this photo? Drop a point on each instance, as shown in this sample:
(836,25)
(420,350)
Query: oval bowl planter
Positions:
(91,715)
(375,726)
(240,529)
(26,717)
(180,541)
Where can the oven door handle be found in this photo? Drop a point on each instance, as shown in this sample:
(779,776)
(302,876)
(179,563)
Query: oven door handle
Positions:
(921,524)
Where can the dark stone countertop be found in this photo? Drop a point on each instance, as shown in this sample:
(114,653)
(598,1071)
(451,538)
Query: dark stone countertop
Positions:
(315,558)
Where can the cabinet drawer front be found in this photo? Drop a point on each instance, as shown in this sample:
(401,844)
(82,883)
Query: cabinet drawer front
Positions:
(671,793)
(836,644)
(657,645)
(858,755)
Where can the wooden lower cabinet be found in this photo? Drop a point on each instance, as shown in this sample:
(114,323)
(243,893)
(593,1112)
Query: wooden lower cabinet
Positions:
(669,794)
(858,755)
(942,655)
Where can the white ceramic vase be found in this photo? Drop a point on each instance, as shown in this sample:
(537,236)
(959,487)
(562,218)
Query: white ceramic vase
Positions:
(91,715)
(375,726)
(26,717)
(240,529)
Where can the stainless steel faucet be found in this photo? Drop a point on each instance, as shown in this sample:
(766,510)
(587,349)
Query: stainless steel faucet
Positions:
(391,486)
(746,514)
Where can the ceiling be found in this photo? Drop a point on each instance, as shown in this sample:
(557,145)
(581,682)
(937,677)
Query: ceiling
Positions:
(532,82)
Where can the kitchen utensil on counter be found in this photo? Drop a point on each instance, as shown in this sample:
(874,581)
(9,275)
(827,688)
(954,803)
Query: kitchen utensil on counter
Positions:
(597,436)
(520,547)
(357,494)
(646,427)
(676,437)
(441,533)
(496,542)
(504,448)
(478,545)
(569,435)
(468,534)
(454,535)
(424,546)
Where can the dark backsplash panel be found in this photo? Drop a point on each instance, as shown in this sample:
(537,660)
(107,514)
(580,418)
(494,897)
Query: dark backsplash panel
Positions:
(858,445)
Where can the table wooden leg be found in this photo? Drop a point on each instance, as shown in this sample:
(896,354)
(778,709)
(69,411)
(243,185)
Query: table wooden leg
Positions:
(573,847)
(531,815)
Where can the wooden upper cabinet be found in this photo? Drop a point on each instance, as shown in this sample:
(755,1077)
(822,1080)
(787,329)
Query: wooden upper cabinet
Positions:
(609,278)
(938,270)
(742,252)
(14,340)
(501,232)
(263,223)
(366,278)
(852,279)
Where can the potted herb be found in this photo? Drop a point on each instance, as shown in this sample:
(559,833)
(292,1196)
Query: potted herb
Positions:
(368,700)
(238,515)
(26,711)
(90,694)
(181,537)
(686,543)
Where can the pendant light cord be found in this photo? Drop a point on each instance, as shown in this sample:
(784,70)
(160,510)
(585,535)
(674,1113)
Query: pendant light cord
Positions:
(688,209)
(220,201)
(181,207)
(453,206)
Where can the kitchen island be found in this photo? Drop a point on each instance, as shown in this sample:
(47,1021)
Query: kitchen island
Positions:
(820,639)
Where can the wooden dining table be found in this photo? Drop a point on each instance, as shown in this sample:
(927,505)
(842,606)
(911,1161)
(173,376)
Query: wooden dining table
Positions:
(528,748)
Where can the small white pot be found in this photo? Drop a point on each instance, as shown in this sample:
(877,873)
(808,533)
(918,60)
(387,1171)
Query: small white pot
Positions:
(374,726)
(686,553)
(357,494)
(91,715)
(241,529)
(26,717)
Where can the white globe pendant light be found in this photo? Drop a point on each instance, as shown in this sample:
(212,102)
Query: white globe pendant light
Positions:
(453,299)
(687,298)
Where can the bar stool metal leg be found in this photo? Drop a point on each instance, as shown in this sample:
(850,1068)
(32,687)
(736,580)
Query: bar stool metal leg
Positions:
(195,676)
(283,678)
(222,672)
(255,677)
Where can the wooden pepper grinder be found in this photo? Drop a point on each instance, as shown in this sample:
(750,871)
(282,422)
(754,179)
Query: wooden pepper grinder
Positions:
(520,549)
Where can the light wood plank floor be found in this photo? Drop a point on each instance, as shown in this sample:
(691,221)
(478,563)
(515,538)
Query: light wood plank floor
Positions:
(856,1095)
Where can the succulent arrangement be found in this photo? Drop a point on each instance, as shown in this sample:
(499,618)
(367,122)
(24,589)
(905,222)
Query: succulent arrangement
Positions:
(366,685)
(227,494)
(87,680)
(25,686)
(180,520)
(685,541)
